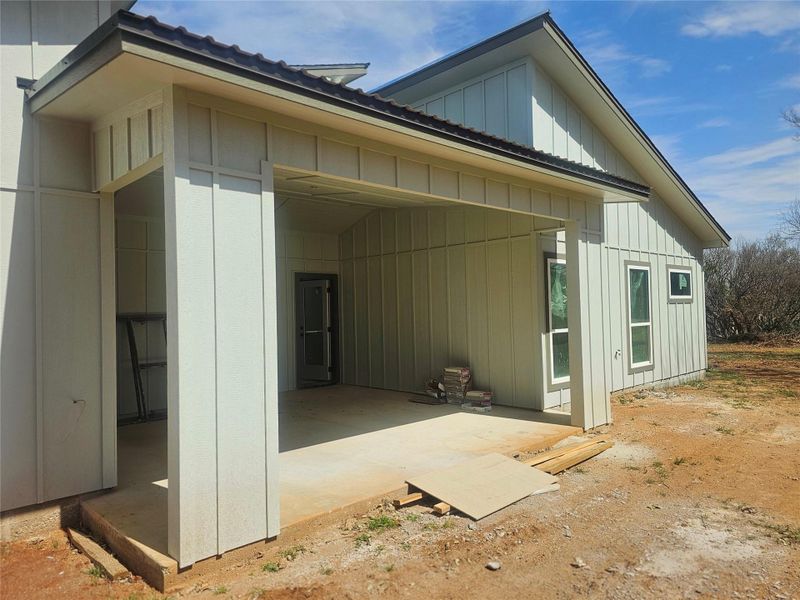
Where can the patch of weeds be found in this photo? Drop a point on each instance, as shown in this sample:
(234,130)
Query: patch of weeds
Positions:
(448,523)
(218,591)
(718,458)
(388,568)
(95,571)
(786,393)
(270,567)
(724,430)
(623,400)
(382,522)
(292,552)
(785,533)
(579,470)
(699,384)
(413,517)
(742,403)
(432,526)
(678,461)
(326,571)
(379,549)
(632,468)
(362,540)
(405,546)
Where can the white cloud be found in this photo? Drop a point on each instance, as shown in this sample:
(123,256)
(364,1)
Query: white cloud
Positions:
(752,155)
(662,106)
(747,187)
(792,82)
(395,37)
(741,18)
(715,122)
(723,68)
(612,59)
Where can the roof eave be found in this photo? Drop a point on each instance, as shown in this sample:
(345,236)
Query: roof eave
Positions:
(108,41)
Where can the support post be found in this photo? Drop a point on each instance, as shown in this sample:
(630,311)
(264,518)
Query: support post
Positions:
(580,373)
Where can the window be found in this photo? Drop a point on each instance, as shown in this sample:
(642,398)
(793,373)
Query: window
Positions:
(680,284)
(557,320)
(639,320)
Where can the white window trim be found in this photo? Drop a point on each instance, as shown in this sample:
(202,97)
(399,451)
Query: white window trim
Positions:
(550,331)
(648,323)
(688,272)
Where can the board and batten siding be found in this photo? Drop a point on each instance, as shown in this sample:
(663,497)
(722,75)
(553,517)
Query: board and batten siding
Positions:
(57,376)
(141,288)
(222,350)
(128,141)
(298,252)
(562,129)
(498,102)
(426,288)
(650,233)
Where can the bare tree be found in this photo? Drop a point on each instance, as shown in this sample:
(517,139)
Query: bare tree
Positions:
(792,117)
(791,222)
(753,289)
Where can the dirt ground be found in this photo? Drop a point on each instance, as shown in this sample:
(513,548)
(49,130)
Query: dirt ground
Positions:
(699,498)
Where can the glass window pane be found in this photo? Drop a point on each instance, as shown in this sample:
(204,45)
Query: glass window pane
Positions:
(640,344)
(560,355)
(680,284)
(558,295)
(640,295)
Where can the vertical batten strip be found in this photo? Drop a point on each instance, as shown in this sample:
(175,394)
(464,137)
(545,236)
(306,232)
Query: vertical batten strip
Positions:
(108,341)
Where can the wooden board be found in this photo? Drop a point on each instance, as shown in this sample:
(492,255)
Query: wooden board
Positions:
(109,565)
(481,486)
(556,452)
(564,462)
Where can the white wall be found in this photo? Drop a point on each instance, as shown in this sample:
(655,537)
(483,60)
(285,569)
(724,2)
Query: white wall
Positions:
(55,283)
(562,129)
(498,102)
(141,288)
(423,289)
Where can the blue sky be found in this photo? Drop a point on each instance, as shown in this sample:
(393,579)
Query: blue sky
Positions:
(707,81)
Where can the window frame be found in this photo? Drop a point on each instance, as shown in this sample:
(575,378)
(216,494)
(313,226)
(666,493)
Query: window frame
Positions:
(554,381)
(679,269)
(639,266)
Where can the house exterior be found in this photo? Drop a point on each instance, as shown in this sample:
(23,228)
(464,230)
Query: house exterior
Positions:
(498,208)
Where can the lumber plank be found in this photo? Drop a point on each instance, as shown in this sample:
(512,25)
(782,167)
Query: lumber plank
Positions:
(109,565)
(409,499)
(441,508)
(562,463)
(556,452)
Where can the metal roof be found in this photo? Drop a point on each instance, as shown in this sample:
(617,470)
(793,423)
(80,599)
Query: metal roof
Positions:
(177,40)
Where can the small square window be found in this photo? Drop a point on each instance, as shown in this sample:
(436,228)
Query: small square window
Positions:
(680,284)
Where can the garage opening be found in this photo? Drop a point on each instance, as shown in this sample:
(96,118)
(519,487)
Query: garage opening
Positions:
(413,286)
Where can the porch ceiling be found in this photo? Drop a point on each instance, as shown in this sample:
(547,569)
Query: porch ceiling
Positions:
(327,205)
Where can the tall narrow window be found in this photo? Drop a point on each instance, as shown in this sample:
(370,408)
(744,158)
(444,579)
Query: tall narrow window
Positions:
(557,320)
(639,320)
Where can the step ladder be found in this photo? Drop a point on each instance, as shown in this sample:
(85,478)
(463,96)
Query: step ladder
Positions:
(128,319)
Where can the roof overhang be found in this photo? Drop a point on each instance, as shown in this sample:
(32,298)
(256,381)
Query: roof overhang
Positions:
(542,39)
(337,73)
(119,63)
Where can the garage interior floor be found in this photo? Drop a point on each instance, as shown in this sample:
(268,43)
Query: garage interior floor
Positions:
(339,445)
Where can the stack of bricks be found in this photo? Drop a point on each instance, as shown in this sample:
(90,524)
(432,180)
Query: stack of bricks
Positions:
(457,382)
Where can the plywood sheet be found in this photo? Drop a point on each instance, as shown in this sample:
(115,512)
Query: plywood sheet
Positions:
(483,485)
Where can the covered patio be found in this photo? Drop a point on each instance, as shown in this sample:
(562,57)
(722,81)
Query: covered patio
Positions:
(340,447)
